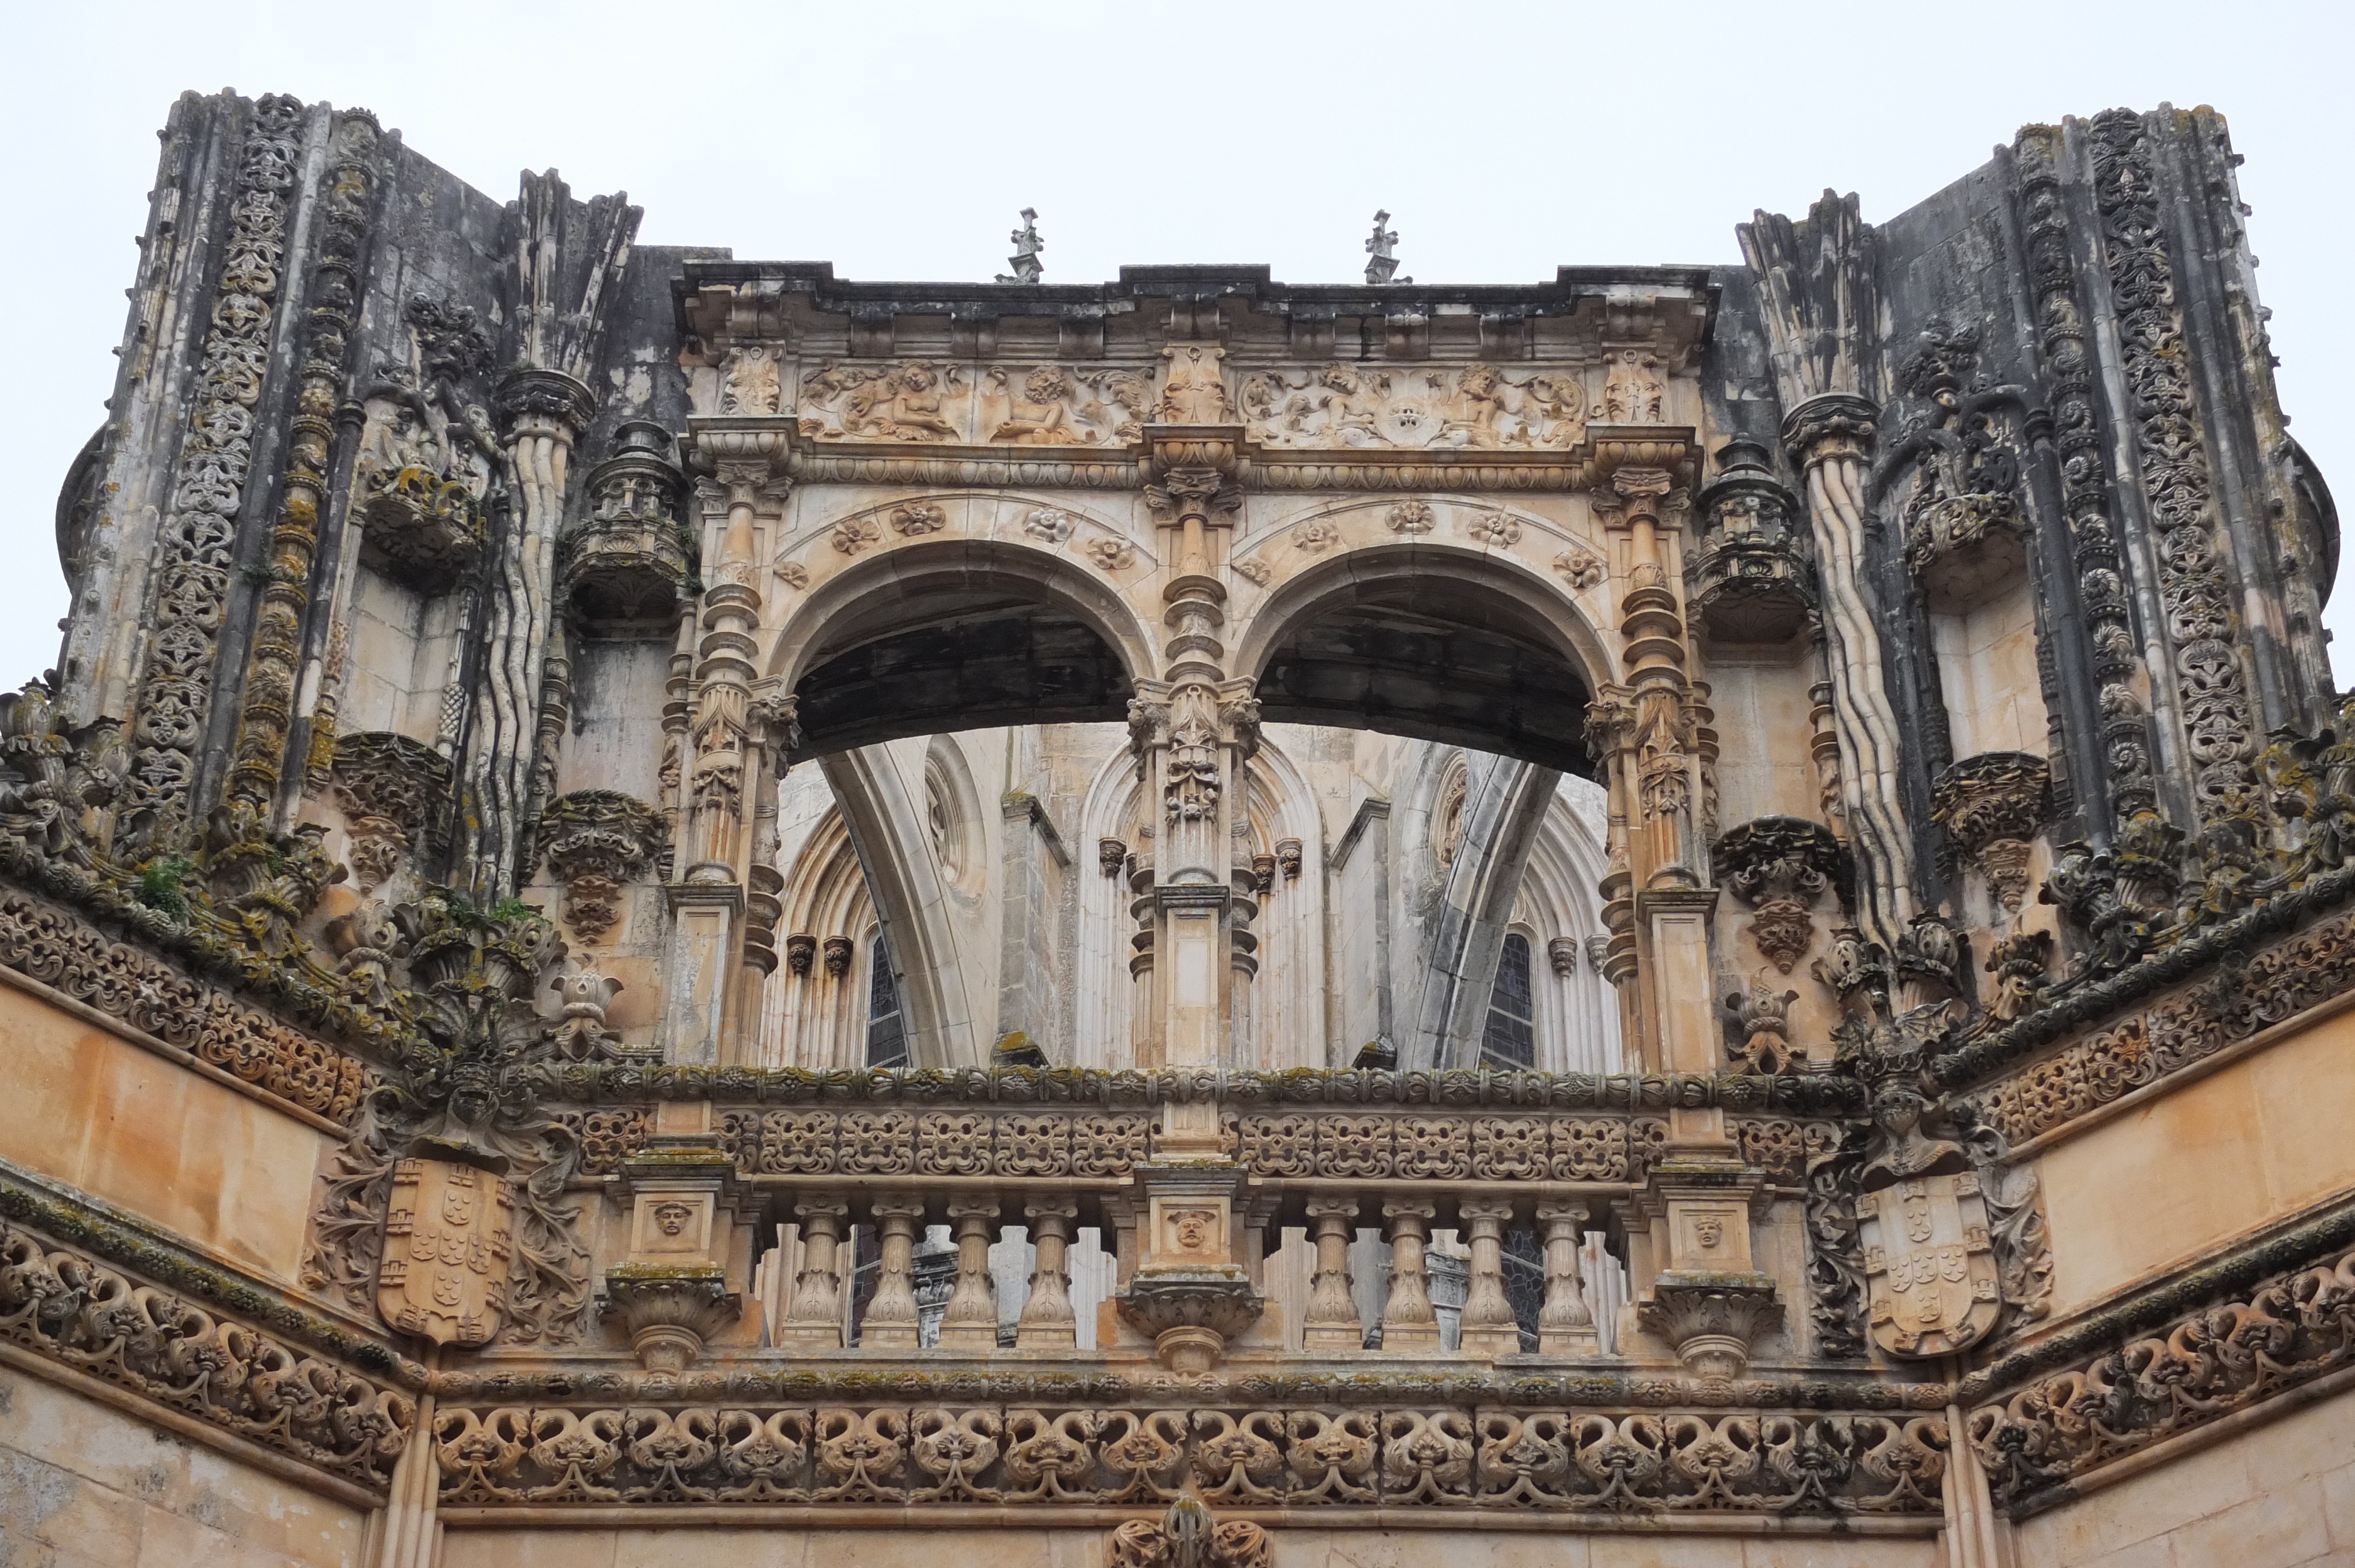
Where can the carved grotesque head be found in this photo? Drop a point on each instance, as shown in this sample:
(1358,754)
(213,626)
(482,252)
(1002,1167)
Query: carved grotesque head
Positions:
(672,1218)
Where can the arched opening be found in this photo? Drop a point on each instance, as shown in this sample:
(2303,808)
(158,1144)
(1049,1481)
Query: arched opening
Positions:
(1414,643)
(930,640)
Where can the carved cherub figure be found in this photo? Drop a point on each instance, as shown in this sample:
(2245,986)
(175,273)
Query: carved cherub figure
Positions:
(1042,415)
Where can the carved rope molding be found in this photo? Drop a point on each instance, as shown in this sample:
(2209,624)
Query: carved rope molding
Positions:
(2242,997)
(65,1307)
(2271,1319)
(281,1064)
(1574,1461)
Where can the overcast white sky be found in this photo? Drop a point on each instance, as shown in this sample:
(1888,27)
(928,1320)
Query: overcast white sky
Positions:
(898,141)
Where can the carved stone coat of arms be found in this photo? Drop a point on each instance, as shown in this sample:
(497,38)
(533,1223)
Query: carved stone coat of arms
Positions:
(1929,1265)
(447,1253)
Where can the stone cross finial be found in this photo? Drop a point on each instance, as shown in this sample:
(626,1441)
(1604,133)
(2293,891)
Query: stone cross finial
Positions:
(1383,251)
(1025,261)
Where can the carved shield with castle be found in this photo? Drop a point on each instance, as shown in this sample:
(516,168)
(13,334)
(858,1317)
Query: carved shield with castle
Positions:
(447,1251)
(1929,1265)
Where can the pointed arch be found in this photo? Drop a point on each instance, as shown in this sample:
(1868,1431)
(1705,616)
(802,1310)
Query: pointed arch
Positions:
(1288,1010)
(947,1015)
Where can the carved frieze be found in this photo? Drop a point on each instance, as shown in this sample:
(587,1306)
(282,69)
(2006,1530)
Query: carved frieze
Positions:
(1407,1456)
(61,1305)
(1477,407)
(2227,1344)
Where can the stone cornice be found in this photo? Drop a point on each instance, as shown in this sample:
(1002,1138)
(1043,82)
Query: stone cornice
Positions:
(76,1220)
(2243,996)
(1467,1089)
(2257,1327)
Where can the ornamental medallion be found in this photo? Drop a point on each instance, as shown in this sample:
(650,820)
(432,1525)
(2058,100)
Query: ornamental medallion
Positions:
(446,1253)
(1929,1265)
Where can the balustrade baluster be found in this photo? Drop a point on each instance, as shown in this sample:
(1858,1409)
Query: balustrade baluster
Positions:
(814,1317)
(1489,1328)
(890,1320)
(1565,1326)
(1410,1324)
(969,1321)
(1047,1323)
(1331,1323)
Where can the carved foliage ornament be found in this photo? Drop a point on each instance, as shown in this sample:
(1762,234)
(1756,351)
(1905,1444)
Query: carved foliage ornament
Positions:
(1992,805)
(390,788)
(68,1308)
(1780,866)
(2198,599)
(1578,1460)
(594,841)
(215,463)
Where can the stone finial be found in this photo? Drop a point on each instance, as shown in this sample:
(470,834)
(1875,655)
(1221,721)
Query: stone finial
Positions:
(1028,267)
(1381,250)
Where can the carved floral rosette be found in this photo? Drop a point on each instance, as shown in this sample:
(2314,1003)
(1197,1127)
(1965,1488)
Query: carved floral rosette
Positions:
(1929,1266)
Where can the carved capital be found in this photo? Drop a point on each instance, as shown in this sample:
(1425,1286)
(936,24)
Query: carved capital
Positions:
(1833,427)
(669,1312)
(1713,1325)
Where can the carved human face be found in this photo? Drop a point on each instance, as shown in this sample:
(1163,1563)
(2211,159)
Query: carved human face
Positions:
(672,1218)
(1710,1229)
(1191,1229)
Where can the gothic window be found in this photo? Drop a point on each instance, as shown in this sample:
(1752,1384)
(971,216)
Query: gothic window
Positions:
(1511,1039)
(887,1041)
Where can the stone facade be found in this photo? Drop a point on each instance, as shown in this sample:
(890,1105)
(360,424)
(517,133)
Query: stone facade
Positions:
(667,905)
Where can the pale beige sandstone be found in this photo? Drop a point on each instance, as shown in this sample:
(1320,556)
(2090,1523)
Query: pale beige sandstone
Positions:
(2194,1165)
(81,1482)
(215,1166)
